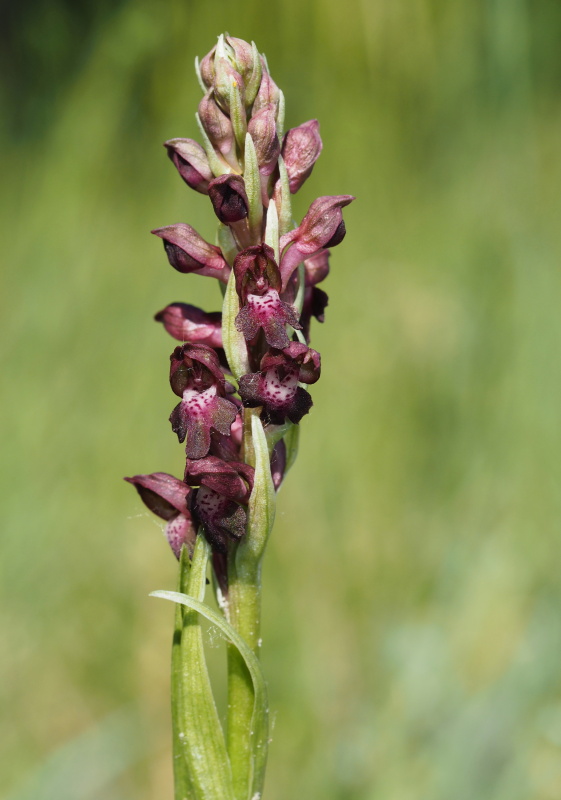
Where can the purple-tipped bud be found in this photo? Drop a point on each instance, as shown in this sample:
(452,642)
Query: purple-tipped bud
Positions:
(258,284)
(275,387)
(196,377)
(226,76)
(217,126)
(167,497)
(300,150)
(206,68)
(191,324)
(263,129)
(229,199)
(187,251)
(322,227)
(268,93)
(191,162)
(223,487)
(242,57)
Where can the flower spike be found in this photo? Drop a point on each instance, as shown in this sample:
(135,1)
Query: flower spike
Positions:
(239,376)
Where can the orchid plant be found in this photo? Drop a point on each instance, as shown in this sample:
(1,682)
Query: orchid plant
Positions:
(240,376)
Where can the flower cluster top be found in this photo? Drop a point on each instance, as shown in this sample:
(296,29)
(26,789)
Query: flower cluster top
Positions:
(255,354)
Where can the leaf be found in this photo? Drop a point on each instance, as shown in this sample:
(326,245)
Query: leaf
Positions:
(260,719)
(232,339)
(272,230)
(237,115)
(217,166)
(286,222)
(252,181)
(262,503)
(200,739)
(181,779)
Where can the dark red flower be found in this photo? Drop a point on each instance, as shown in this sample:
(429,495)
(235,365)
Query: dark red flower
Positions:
(322,227)
(167,497)
(196,377)
(191,162)
(257,283)
(189,252)
(229,199)
(276,387)
(224,487)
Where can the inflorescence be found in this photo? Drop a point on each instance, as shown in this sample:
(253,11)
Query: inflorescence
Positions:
(255,354)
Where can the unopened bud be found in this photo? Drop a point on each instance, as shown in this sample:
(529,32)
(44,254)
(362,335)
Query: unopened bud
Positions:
(226,77)
(191,162)
(268,92)
(218,127)
(263,129)
(300,150)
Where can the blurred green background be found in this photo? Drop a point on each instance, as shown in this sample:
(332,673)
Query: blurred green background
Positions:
(412,603)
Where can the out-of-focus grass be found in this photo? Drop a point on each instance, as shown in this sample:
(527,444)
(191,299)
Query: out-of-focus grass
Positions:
(412,601)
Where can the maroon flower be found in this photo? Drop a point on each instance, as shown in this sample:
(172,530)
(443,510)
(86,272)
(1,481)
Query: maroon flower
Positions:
(223,488)
(191,324)
(229,199)
(167,497)
(276,388)
(191,162)
(300,150)
(189,252)
(257,283)
(196,377)
(322,227)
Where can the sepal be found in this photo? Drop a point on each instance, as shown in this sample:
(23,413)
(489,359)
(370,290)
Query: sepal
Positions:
(167,497)
(322,227)
(191,162)
(187,251)
(300,150)
(188,323)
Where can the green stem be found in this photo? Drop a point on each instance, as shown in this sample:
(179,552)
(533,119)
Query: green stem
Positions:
(182,782)
(244,614)
(201,770)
